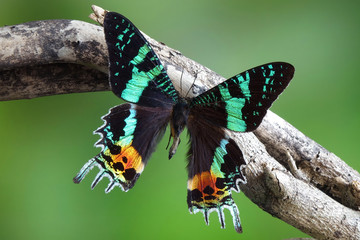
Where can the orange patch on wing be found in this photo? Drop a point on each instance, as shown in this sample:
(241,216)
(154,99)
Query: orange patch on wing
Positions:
(202,180)
(207,189)
(125,164)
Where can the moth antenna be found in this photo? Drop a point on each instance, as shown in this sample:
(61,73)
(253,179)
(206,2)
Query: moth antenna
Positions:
(192,85)
(182,72)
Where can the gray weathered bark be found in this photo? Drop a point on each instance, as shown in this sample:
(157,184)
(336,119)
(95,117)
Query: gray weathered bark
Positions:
(289,175)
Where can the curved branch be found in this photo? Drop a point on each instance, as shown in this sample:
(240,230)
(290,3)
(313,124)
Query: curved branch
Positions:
(289,175)
(52,57)
(50,79)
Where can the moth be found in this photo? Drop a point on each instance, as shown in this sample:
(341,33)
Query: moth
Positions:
(132,130)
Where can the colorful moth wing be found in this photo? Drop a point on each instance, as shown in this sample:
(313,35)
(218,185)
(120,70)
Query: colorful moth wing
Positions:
(215,160)
(135,72)
(215,163)
(132,130)
(240,103)
(128,138)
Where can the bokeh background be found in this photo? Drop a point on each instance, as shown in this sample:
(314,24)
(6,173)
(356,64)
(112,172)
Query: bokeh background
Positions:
(45,141)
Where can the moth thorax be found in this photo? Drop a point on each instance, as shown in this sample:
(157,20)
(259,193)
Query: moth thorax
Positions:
(178,122)
(179,117)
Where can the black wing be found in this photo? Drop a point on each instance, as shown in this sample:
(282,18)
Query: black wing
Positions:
(215,160)
(215,163)
(136,74)
(128,138)
(240,103)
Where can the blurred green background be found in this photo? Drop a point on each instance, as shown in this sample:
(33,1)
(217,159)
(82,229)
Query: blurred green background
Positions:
(45,141)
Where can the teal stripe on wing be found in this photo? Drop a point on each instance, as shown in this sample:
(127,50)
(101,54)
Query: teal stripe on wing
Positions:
(241,102)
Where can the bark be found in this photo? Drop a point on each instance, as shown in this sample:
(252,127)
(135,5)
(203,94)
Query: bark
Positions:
(288,175)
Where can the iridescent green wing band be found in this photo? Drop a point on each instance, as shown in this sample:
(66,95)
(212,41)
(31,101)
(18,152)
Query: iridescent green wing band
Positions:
(135,72)
(128,138)
(240,103)
(215,163)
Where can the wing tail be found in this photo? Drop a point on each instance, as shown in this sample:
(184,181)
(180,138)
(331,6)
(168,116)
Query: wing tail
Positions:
(215,163)
(128,138)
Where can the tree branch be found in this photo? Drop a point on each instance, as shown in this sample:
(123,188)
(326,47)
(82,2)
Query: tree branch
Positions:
(52,57)
(289,175)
